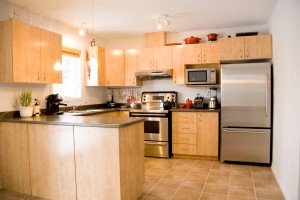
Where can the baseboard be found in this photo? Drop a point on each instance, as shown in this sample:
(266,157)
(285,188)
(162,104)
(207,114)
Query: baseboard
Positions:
(281,185)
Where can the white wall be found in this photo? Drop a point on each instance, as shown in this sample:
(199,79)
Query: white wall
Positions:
(285,28)
(70,38)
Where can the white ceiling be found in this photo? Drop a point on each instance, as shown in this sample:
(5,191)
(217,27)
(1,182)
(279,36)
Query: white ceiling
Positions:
(122,18)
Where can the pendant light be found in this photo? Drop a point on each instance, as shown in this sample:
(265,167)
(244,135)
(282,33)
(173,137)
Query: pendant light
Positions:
(57,65)
(93,61)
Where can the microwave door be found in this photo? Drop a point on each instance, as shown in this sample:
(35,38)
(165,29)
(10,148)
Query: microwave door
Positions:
(197,76)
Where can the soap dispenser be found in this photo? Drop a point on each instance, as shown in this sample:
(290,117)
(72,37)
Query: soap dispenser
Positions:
(37,108)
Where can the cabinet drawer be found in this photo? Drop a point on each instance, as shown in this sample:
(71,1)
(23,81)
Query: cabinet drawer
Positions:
(189,149)
(184,117)
(184,138)
(184,128)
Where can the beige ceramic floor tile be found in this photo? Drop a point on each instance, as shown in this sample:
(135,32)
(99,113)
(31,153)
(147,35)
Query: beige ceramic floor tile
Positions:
(219,165)
(191,186)
(242,182)
(173,175)
(169,183)
(218,180)
(268,176)
(243,168)
(209,196)
(196,178)
(241,191)
(186,195)
(260,169)
(269,194)
(220,172)
(241,174)
(180,169)
(215,189)
(272,185)
(199,171)
(161,193)
(155,173)
(240,198)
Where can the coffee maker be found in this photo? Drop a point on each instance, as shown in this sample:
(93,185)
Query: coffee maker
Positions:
(52,104)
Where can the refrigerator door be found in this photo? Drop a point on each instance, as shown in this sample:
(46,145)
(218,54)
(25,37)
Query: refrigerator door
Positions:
(246,95)
(246,145)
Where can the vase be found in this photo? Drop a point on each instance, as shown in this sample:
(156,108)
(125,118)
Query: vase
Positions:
(26,111)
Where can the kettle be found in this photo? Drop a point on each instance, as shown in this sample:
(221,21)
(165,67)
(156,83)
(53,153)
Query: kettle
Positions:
(168,104)
(212,103)
(189,103)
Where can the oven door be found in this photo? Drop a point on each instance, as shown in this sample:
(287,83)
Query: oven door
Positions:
(156,128)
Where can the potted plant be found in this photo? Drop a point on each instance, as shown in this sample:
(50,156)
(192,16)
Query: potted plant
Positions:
(25,100)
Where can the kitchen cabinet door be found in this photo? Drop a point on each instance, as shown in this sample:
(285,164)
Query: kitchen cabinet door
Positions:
(178,65)
(94,64)
(192,53)
(51,52)
(163,57)
(14,157)
(19,52)
(115,68)
(258,47)
(131,66)
(211,52)
(232,48)
(208,133)
(52,163)
(147,59)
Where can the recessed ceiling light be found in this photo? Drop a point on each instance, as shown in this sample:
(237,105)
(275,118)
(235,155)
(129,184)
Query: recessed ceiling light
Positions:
(82,31)
(162,21)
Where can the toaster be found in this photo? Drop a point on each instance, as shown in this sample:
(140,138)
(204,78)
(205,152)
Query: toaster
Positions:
(198,102)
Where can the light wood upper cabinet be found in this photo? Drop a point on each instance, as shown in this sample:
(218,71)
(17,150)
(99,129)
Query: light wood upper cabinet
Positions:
(28,53)
(146,62)
(94,64)
(258,47)
(178,65)
(232,48)
(14,157)
(163,57)
(51,52)
(192,53)
(131,66)
(208,133)
(115,68)
(250,47)
(211,52)
(52,164)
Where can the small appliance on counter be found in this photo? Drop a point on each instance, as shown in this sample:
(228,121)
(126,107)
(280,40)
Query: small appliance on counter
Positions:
(110,103)
(213,100)
(189,104)
(37,108)
(52,104)
(199,102)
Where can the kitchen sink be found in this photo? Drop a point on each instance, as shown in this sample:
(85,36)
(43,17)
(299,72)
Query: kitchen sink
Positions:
(84,112)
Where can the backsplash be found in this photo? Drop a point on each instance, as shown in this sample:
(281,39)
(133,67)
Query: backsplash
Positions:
(122,94)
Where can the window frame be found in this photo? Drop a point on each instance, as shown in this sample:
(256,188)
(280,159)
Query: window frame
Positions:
(75,53)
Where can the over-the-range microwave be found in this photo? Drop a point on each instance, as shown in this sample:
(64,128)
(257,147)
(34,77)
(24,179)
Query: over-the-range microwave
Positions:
(201,76)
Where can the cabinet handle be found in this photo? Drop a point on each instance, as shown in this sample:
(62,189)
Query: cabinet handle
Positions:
(44,76)
(247,50)
(175,79)
(39,77)
(184,149)
(241,51)
(184,128)
(204,58)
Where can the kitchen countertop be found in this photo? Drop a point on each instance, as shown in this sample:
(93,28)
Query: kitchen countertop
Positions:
(67,120)
(194,110)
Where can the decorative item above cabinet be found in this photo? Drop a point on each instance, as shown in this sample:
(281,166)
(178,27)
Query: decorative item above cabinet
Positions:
(30,53)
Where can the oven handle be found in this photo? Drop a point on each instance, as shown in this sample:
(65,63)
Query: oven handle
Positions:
(156,143)
(150,115)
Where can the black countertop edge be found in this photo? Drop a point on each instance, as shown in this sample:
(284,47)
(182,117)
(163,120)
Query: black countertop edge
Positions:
(101,123)
(195,110)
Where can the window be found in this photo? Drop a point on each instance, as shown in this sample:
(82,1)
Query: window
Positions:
(71,76)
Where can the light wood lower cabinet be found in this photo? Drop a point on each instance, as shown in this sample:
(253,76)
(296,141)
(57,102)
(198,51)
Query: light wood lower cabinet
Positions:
(195,133)
(100,153)
(51,150)
(14,157)
(208,132)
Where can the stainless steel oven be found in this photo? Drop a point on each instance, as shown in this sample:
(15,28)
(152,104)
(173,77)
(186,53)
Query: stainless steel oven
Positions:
(157,125)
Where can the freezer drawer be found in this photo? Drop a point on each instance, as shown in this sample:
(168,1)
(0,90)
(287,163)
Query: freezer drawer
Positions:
(246,145)
(157,149)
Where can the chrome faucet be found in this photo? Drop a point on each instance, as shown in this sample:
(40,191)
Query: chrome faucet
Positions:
(76,106)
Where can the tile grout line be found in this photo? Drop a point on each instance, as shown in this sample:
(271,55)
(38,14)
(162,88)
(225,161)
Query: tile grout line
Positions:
(158,181)
(229,182)
(183,180)
(206,180)
(253,182)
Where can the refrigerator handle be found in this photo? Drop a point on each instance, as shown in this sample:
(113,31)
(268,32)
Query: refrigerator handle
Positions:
(267,94)
(240,131)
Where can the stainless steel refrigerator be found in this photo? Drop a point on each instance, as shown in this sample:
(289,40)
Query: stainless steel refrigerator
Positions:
(246,112)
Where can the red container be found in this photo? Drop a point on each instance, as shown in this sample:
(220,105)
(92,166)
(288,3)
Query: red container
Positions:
(189,103)
(192,40)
